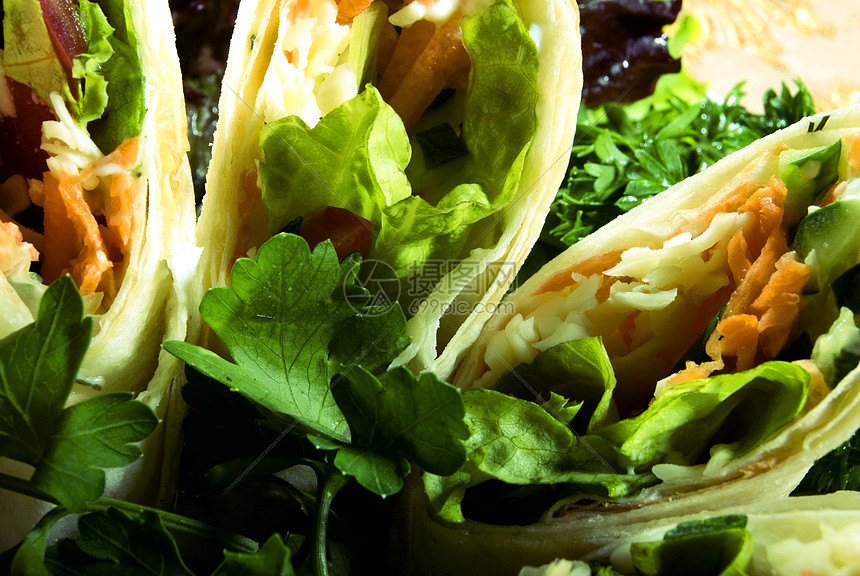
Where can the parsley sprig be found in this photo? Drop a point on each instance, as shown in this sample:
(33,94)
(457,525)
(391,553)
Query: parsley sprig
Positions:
(625,154)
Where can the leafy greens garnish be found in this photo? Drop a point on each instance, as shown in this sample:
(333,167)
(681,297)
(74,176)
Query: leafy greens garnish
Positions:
(66,445)
(521,443)
(309,356)
(624,155)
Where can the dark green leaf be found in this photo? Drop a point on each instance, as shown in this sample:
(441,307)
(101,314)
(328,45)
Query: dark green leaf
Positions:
(101,432)
(398,417)
(113,542)
(273,559)
(68,447)
(38,365)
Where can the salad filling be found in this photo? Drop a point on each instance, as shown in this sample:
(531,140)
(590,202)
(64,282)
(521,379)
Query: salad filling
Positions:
(72,113)
(395,115)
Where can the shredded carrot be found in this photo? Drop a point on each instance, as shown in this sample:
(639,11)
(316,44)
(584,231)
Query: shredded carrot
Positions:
(853,141)
(738,256)
(765,303)
(387,42)
(443,57)
(89,266)
(693,371)
(594,265)
(738,336)
(60,238)
(410,45)
(120,207)
(778,305)
(349,9)
(767,206)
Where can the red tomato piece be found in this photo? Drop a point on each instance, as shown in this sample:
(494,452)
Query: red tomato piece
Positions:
(348,231)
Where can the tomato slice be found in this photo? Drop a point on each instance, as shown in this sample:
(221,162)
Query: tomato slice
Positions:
(348,231)
(21,137)
(64,27)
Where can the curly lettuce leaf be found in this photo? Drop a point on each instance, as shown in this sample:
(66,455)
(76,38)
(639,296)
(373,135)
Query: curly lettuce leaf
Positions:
(353,158)
(521,443)
(66,446)
(577,370)
(359,155)
(738,410)
(126,97)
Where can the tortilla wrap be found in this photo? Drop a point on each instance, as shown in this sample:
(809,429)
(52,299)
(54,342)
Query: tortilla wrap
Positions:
(152,280)
(272,76)
(768,469)
(812,533)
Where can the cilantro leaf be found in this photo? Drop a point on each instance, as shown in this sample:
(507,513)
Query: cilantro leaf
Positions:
(113,541)
(396,418)
(278,321)
(67,446)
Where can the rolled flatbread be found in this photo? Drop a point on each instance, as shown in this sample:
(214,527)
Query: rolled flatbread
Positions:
(762,247)
(443,129)
(103,194)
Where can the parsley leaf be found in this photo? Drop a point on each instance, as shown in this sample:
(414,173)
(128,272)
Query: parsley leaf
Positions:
(67,446)
(396,418)
(113,541)
(624,155)
(278,320)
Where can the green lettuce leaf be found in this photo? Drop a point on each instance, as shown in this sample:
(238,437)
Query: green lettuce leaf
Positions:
(353,158)
(126,101)
(577,370)
(521,443)
(88,66)
(67,446)
(357,156)
(273,559)
(737,410)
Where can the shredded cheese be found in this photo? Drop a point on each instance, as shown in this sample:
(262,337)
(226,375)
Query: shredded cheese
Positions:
(640,302)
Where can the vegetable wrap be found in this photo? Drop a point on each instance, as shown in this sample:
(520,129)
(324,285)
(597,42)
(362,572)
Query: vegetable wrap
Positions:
(96,185)
(428,136)
(802,535)
(697,352)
